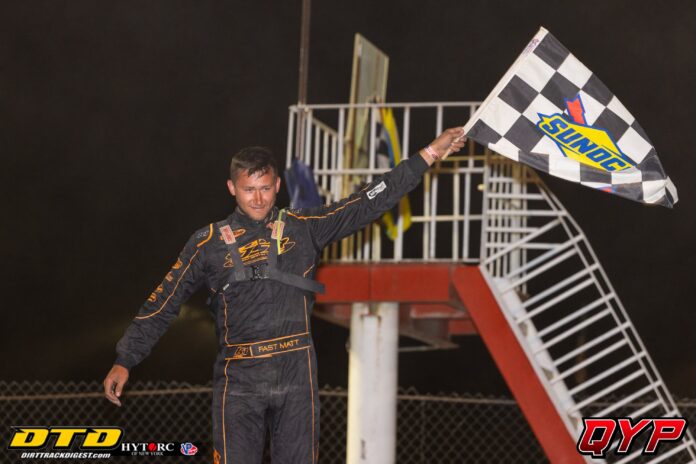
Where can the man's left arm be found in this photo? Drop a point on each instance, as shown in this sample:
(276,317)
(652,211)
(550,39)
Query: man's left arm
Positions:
(340,219)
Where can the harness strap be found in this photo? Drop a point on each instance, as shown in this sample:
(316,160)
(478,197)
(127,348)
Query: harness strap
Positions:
(233,248)
(303,283)
(268,270)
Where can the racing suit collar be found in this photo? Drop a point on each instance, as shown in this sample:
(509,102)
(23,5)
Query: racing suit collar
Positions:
(239,217)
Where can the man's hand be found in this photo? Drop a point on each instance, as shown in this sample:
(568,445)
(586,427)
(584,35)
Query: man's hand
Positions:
(114,382)
(450,141)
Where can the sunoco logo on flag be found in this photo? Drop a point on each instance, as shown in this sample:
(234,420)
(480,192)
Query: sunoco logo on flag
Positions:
(585,144)
(551,112)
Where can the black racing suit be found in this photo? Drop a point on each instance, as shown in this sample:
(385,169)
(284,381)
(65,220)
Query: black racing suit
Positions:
(265,374)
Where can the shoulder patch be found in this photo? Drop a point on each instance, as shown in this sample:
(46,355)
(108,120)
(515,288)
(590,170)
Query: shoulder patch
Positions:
(204,235)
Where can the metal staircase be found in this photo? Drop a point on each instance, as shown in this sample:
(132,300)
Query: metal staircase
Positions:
(544,305)
(563,310)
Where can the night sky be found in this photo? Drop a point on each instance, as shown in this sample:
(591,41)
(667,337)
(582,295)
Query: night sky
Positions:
(117,121)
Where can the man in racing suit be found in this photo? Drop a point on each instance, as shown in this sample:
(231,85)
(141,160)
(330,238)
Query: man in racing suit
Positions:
(258,265)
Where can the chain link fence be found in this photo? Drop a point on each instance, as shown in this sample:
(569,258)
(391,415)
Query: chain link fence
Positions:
(447,429)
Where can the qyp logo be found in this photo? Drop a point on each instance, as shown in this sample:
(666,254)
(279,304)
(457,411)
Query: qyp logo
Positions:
(598,433)
(93,438)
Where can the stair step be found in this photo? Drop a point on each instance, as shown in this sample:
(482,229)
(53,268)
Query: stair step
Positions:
(606,373)
(589,360)
(575,314)
(627,399)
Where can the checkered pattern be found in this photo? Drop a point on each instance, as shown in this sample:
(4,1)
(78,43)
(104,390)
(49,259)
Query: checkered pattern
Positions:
(542,78)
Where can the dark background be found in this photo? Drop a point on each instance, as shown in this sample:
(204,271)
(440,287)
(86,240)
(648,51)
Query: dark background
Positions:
(117,120)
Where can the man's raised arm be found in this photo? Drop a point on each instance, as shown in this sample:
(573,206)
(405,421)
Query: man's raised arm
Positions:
(342,218)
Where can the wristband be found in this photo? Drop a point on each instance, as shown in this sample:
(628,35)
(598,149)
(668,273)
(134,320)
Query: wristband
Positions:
(429,150)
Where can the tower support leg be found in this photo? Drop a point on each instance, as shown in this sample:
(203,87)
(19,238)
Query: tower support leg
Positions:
(372,383)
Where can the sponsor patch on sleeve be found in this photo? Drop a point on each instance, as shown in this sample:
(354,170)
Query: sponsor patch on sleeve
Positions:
(376,190)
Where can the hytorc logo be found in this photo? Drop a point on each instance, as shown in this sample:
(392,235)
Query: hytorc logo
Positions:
(598,434)
(150,447)
(89,438)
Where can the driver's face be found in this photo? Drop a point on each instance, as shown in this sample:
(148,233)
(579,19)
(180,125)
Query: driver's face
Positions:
(255,194)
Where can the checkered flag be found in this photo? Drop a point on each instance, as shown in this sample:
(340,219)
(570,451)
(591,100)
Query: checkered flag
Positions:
(549,111)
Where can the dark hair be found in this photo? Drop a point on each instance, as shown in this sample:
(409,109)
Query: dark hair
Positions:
(253,160)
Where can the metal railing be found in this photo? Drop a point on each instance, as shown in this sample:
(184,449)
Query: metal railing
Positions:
(449,201)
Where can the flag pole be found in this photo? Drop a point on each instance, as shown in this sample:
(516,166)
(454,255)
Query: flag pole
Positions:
(303,73)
